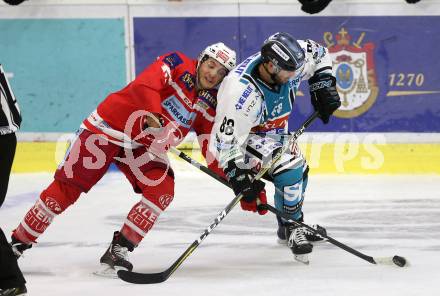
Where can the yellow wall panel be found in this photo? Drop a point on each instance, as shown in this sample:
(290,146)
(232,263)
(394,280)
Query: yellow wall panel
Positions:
(323,158)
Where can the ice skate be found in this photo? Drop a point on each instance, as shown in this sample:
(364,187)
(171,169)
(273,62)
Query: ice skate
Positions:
(298,243)
(19,247)
(116,257)
(315,236)
(310,236)
(17,291)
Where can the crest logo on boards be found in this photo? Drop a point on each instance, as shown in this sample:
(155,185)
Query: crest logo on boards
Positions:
(354,69)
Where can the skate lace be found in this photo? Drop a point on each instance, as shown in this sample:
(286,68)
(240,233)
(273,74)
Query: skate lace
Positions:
(120,252)
(319,231)
(297,237)
(309,232)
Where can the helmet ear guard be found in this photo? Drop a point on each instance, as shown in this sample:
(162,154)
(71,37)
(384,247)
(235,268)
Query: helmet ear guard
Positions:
(221,53)
(283,51)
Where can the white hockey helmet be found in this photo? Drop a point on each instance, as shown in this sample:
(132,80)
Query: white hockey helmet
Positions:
(221,53)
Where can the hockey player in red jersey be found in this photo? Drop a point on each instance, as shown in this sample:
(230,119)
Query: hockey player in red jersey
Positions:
(133,128)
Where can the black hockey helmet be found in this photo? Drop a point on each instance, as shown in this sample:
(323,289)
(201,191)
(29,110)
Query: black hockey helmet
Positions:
(284,51)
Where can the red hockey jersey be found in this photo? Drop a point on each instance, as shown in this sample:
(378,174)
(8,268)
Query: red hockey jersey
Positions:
(166,88)
(205,110)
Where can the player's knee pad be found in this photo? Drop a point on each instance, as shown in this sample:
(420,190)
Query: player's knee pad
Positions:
(289,192)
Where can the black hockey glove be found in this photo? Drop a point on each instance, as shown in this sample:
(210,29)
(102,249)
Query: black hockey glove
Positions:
(324,96)
(14,2)
(241,182)
(314,6)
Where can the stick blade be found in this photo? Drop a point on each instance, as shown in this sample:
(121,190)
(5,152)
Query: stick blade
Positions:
(142,278)
(394,261)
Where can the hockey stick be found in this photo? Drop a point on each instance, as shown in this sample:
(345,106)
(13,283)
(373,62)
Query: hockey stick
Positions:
(152,278)
(395,260)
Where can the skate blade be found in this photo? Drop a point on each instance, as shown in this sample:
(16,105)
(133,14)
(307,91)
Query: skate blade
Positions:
(282,241)
(303,258)
(107,272)
(318,242)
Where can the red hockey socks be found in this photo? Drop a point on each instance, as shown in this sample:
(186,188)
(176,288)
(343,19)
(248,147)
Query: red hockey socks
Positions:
(144,214)
(52,202)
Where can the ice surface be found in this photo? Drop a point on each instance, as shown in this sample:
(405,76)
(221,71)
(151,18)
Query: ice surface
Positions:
(377,215)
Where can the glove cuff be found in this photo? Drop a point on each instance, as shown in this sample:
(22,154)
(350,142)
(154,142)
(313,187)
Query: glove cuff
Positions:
(233,169)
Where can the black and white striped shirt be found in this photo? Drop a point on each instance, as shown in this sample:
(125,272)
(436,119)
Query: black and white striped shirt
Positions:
(10,117)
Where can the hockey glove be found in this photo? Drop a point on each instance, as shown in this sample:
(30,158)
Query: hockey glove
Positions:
(156,135)
(241,182)
(14,2)
(324,96)
(253,206)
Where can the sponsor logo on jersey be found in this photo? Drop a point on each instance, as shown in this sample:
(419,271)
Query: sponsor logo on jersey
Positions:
(202,104)
(295,82)
(243,98)
(250,107)
(178,111)
(172,60)
(240,68)
(354,69)
(207,97)
(277,125)
(165,200)
(188,80)
(53,205)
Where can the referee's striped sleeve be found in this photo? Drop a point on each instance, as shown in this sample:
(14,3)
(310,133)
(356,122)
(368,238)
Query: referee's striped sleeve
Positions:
(10,116)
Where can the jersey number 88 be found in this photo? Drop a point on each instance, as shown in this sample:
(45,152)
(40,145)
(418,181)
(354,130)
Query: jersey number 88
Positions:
(227,126)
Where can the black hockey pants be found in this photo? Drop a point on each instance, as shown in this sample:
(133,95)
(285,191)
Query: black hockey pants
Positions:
(10,274)
(8,144)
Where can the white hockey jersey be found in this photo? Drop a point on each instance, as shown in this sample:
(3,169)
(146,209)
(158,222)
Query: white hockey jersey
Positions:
(247,104)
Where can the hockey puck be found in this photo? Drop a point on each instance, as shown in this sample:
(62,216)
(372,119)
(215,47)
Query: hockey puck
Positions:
(399,261)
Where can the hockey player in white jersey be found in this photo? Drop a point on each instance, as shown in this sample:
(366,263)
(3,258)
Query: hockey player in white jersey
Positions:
(254,104)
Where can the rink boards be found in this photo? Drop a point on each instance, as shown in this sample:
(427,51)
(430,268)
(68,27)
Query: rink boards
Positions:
(344,155)
(388,82)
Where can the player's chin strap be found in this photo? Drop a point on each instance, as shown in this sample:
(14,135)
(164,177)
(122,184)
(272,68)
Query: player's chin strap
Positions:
(158,277)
